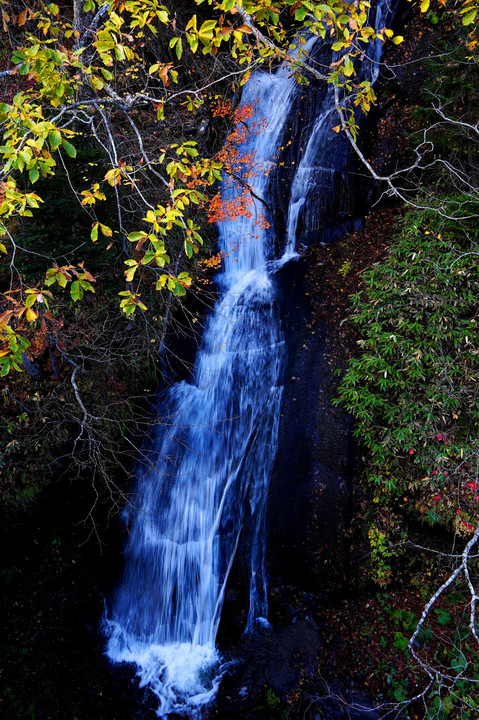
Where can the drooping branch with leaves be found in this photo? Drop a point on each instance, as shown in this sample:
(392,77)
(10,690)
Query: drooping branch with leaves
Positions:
(92,72)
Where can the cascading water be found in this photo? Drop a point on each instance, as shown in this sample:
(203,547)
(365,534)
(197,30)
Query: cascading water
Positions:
(215,459)
(215,456)
(327,159)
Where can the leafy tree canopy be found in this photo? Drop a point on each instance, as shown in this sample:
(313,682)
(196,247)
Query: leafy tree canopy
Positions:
(89,75)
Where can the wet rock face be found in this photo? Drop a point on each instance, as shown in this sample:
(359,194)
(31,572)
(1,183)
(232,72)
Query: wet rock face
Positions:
(275,659)
(336,196)
(267,669)
(308,516)
(310,501)
(332,209)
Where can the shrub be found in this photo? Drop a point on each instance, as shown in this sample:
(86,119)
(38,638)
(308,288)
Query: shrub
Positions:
(414,387)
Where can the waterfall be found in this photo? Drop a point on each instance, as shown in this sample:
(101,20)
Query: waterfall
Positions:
(214,454)
(324,168)
(214,458)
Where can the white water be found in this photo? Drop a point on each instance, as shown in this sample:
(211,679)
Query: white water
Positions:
(214,462)
(324,155)
(214,457)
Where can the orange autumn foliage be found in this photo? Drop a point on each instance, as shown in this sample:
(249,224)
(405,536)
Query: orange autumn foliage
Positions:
(239,164)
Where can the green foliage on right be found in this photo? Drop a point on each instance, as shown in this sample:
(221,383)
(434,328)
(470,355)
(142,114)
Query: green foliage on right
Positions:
(414,389)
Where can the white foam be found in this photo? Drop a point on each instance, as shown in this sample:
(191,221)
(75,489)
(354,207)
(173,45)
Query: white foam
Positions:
(181,675)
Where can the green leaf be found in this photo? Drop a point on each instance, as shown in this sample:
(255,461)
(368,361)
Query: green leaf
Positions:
(94,232)
(129,309)
(208,26)
(87,286)
(130,273)
(301,13)
(193,42)
(55,139)
(348,67)
(138,235)
(76,291)
(400,642)
(469,18)
(33,174)
(18,57)
(5,367)
(61,279)
(443,616)
(69,149)
(205,33)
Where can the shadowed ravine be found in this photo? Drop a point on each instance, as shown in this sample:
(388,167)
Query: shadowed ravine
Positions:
(214,456)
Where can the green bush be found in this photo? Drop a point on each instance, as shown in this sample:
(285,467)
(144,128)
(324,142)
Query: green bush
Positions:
(414,387)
